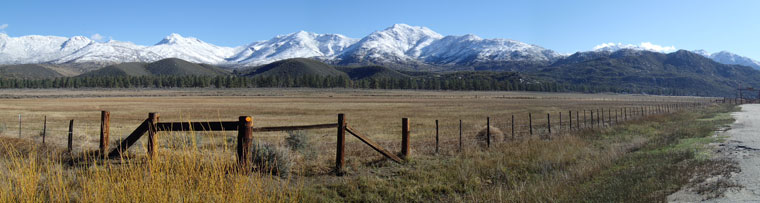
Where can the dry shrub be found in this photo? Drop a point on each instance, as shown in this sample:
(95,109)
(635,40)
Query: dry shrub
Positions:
(496,135)
(271,159)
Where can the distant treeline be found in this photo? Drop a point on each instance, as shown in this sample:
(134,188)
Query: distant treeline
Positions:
(313,81)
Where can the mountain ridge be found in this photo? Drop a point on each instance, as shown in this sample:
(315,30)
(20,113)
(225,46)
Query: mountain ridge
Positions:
(399,46)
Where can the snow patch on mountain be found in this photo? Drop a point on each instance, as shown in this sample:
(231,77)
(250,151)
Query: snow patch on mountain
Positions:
(644,46)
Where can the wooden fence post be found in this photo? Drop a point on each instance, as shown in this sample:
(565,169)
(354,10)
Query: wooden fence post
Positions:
(405,137)
(152,143)
(560,122)
(549,123)
(592,118)
(513,126)
(19,126)
(340,148)
(585,121)
(44,130)
(245,135)
(570,116)
(436,136)
(530,123)
(578,122)
(460,135)
(71,134)
(105,125)
(488,132)
(609,117)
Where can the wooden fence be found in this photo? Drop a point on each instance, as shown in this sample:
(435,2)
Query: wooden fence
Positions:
(245,129)
(590,119)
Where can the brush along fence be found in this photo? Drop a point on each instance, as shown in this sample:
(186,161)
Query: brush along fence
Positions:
(245,129)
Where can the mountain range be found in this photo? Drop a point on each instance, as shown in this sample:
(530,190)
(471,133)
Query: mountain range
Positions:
(400,46)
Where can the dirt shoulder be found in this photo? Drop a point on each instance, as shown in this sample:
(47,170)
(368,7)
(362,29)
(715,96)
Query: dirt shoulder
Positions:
(740,147)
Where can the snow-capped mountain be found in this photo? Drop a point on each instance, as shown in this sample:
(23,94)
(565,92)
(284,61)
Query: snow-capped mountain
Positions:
(399,43)
(38,49)
(296,45)
(191,49)
(725,57)
(473,49)
(109,52)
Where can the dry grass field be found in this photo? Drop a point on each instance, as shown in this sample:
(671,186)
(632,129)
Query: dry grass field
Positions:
(200,166)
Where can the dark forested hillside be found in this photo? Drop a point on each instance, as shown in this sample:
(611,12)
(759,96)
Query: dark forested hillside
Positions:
(624,71)
(679,73)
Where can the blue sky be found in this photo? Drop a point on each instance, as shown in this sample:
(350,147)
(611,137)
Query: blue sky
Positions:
(565,26)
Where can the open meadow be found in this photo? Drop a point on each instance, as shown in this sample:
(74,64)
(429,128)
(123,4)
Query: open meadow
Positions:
(564,165)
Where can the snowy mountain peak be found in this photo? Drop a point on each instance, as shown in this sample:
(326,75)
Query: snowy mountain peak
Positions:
(644,46)
(413,32)
(726,57)
(468,49)
(299,44)
(175,38)
(399,43)
(702,52)
(190,49)
(76,42)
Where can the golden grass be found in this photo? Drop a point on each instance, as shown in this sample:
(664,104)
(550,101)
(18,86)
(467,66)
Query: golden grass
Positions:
(200,166)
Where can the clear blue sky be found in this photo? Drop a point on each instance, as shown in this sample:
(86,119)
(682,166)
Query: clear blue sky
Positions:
(565,26)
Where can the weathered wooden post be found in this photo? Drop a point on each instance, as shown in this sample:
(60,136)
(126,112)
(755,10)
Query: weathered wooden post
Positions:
(152,130)
(530,123)
(570,116)
(601,120)
(585,120)
(436,136)
(105,125)
(405,138)
(616,115)
(460,135)
(488,132)
(19,126)
(340,148)
(592,118)
(245,137)
(44,130)
(577,121)
(513,126)
(560,122)
(549,123)
(71,135)
(609,116)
